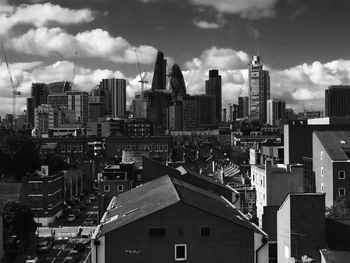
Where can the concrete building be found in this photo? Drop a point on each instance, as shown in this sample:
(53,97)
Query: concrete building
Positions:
(331,164)
(298,136)
(275,112)
(118,88)
(337,101)
(301,228)
(43,192)
(259,90)
(159,76)
(272,184)
(243,107)
(175,221)
(213,87)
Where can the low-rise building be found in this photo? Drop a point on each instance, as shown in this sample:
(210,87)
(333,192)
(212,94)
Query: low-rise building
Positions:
(272,184)
(331,164)
(301,227)
(43,193)
(175,221)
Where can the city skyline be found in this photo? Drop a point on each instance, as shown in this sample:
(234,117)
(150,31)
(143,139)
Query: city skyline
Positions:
(227,34)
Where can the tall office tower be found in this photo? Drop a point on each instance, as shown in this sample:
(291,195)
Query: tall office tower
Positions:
(276,111)
(96,104)
(243,107)
(213,87)
(59,87)
(177,82)
(234,112)
(30,111)
(259,90)
(159,76)
(224,114)
(337,101)
(39,94)
(106,94)
(118,87)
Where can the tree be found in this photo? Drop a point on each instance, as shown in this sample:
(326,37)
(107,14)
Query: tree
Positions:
(20,155)
(340,209)
(19,222)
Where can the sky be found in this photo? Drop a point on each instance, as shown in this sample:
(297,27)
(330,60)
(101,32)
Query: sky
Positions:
(304,44)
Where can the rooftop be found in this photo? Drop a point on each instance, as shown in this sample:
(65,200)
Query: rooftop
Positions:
(162,193)
(335,256)
(336,144)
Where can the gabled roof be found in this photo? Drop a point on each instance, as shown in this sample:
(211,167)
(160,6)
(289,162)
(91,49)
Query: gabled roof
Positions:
(335,256)
(336,144)
(162,193)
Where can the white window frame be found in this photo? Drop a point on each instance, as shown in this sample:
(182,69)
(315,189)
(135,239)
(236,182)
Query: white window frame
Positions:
(341,177)
(322,188)
(106,188)
(322,172)
(120,188)
(339,191)
(180,259)
(321,155)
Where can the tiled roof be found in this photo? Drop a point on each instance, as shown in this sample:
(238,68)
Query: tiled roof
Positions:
(164,192)
(336,143)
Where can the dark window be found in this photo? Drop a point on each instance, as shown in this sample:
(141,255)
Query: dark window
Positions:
(180,252)
(156,232)
(205,231)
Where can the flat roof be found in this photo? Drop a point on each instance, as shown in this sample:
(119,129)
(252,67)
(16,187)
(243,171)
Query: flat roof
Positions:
(336,144)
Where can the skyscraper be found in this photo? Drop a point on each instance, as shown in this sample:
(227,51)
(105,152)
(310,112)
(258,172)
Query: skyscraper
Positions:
(177,82)
(243,107)
(118,87)
(213,87)
(159,76)
(259,90)
(337,101)
(275,111)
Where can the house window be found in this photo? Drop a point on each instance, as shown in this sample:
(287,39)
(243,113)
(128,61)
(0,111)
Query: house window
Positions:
(180,252)
(341,174)
(156,232)
(68,148)
(205,231)
(321,155)
(341,191)
(120,188)
(63,148)
(322,188)
(107,188)
(322,172)
(80,148)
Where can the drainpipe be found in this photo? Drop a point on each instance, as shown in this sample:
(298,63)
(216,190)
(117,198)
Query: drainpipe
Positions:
(264,240)
(96,243)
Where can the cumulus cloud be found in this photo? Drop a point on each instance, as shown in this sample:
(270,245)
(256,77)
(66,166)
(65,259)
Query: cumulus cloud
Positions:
(85,80)
(95,43)
(250,9)
(205,24)
(40,14)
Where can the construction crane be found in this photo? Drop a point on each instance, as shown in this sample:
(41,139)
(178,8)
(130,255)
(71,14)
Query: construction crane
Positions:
(142,80)
(14,86)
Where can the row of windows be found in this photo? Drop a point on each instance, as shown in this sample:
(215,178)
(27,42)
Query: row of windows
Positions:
(341,190)
(160,231)
(107,188)
(71,148)
(143,147)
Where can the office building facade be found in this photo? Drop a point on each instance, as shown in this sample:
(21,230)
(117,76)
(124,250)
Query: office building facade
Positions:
(275,111)
(159,76)
(213,87)
(118,87)
(337,101)
(259,90)
(243,107)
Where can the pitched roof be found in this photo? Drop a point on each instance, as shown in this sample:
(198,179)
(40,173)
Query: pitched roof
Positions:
(336,144)
(335,256)
(164,192)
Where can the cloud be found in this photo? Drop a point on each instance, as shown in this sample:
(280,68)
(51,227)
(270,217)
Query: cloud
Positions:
(206,25)
(95,43)
(250,9)
(40,15)
(38,72)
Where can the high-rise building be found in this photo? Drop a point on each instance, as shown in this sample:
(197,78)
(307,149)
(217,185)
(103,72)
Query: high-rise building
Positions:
(213,87)
(118,87)
(177,82)
(243,107)
(337,101)
(275,111)
(72,100)
(259,90)
(159,76)
(39,94)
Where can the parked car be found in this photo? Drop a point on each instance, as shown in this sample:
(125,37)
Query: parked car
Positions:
(32,259)
(45,246)
(71,218)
